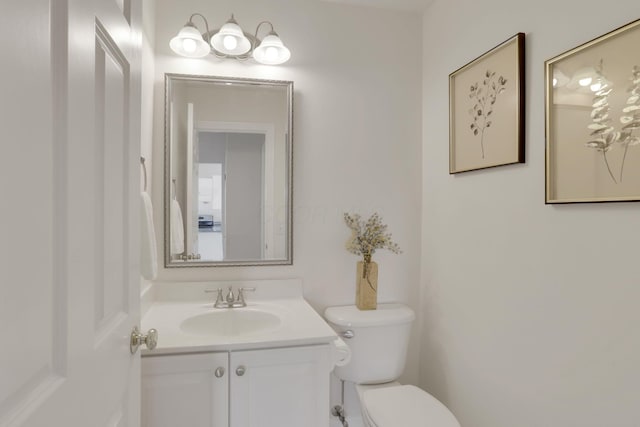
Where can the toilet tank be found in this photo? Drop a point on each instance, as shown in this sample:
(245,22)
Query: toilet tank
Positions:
(379,342)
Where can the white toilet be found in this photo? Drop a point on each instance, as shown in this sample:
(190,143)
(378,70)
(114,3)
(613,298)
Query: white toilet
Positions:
(378,340)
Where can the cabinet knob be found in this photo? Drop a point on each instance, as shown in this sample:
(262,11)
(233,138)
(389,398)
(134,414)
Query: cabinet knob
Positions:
(219,373)
(240,370)
(137,339)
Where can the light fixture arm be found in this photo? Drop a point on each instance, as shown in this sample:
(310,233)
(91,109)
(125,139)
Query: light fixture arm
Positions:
(256,40)
(206,25)
(258,28)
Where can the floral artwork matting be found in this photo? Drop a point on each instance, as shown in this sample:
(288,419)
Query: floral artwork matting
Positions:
(486,109)
(593,120)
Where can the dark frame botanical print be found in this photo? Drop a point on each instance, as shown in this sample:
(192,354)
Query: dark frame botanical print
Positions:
(593,120)
(486,109)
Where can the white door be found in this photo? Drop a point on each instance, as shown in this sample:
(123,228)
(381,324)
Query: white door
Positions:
(192,173)
(243,210)
(69,273)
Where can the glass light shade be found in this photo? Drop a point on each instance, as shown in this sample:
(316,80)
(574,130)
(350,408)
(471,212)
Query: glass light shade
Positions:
(271,51)
(582,79)
(230,40)
(585,81)
(189,43)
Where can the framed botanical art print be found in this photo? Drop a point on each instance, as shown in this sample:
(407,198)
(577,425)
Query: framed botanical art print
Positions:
(593,120)
(486,109)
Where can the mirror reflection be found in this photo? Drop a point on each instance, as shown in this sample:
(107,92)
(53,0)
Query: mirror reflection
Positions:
(227,171)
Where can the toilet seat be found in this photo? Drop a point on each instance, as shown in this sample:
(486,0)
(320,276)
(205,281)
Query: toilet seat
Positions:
(406,406)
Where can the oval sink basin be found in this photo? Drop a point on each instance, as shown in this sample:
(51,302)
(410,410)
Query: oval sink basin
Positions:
(231,322)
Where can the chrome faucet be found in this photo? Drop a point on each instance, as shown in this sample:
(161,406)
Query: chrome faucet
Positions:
(231,300)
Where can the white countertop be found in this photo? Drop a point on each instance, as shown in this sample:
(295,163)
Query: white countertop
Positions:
(300,323)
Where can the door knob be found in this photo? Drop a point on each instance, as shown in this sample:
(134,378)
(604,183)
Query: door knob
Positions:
(137,339)
(219,372)
(240,370)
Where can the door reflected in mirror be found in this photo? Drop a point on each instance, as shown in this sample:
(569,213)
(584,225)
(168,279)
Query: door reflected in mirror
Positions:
(227,171)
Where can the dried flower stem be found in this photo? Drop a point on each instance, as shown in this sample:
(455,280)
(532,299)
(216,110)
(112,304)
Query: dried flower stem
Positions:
(368,236)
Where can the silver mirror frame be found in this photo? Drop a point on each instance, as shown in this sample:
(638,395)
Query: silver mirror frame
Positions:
(168,262)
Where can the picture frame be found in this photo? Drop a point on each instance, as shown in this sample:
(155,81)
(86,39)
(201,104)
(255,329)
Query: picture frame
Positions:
(592,112)
(487,109)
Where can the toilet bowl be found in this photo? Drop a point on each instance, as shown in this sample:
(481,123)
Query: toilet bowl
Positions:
(378,341)
(402,405)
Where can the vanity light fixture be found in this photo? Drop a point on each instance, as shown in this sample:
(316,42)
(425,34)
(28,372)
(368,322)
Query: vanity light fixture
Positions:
(585,81)
(230,41)
(582,79)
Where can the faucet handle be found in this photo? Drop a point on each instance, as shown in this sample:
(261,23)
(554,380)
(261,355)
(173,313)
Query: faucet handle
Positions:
(241,292)
(218,291)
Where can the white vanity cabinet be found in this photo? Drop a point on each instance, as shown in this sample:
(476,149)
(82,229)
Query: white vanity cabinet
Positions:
(277,387)
(283,387)
(190,390)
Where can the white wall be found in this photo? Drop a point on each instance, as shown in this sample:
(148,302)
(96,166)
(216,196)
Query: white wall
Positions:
(357,128)
(530,312)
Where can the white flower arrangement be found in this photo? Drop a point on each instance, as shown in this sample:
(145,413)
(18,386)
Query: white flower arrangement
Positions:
(368,236)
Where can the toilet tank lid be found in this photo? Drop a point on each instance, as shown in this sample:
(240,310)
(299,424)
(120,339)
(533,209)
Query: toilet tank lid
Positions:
(386,314)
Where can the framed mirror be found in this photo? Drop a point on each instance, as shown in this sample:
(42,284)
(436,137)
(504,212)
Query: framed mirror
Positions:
(228,171)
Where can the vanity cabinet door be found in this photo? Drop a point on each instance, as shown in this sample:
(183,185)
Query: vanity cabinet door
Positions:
(286,387)
(185,390)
